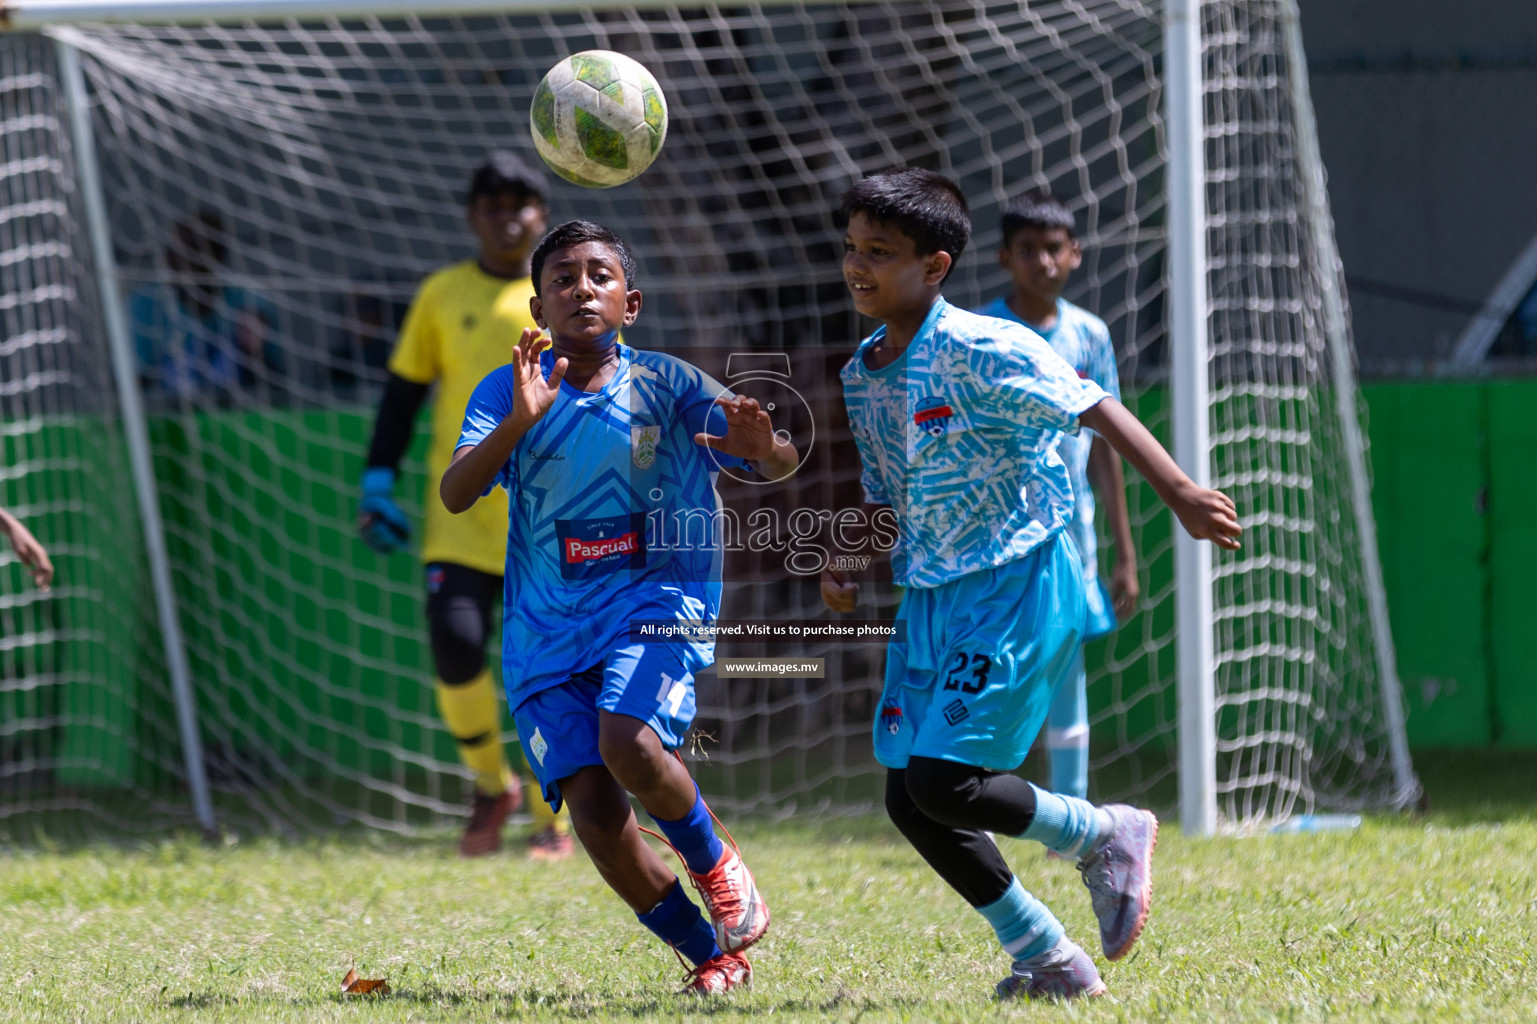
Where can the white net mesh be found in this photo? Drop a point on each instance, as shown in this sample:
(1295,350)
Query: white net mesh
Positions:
(86,726)
(1301,718)
(276,192)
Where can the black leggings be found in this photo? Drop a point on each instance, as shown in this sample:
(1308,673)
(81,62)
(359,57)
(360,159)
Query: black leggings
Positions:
(460,601)
(946,809)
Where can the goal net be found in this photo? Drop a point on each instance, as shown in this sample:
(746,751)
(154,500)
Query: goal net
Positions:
(276,191)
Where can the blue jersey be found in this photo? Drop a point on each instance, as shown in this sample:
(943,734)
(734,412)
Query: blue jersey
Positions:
(613,516)
(959,435)
(1083,340)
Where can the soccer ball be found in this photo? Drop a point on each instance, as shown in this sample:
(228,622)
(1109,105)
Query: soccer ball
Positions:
(598,118)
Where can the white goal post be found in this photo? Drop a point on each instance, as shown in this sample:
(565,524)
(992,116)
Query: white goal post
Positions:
(280,175)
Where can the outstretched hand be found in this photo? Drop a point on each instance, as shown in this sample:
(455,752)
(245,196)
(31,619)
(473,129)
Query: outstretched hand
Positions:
(1209,515)
(32,555)
(749,433)
(532,394)
(1125,588)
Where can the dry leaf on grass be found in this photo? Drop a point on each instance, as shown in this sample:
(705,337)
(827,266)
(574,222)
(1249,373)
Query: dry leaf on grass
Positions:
(352,985)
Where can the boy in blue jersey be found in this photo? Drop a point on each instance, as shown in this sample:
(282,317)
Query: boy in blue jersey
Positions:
(957,418)
(1040,252)
(591,438)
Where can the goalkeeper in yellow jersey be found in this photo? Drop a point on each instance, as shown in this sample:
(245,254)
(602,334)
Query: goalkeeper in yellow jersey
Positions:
(464,322)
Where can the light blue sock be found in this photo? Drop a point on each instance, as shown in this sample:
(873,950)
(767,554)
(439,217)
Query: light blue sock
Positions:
(1065,824)
(1070,770)
(1067,733)
(1025,927)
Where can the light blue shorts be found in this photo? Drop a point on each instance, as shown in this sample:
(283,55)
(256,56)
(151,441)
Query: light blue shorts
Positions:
(1101,610)
(558,726)
(983,654)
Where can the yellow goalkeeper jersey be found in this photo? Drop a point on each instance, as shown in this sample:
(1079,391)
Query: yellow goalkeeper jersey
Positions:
(462,324)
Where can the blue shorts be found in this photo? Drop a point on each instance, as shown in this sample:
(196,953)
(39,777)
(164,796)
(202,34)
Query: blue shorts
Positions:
(558,726)
(983,654)
(1101,610)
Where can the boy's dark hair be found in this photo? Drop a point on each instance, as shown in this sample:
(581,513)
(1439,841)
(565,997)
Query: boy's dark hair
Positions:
(928,207)
(576,232)
(1036,209)
(506,172)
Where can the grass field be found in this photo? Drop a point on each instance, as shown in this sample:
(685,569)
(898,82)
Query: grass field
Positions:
(1430,918)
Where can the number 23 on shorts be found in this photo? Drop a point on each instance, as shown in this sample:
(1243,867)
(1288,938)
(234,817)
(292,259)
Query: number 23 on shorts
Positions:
(968,672)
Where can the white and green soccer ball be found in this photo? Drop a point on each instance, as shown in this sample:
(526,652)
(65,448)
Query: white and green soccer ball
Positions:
(598,118)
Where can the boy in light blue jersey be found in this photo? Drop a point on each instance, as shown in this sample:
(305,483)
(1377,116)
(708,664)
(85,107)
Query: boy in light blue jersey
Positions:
(1040,251)
(957,418)
(593,440)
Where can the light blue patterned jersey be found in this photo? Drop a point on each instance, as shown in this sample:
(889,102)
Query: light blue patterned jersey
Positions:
(1083,340)
(959,435)
(610,516)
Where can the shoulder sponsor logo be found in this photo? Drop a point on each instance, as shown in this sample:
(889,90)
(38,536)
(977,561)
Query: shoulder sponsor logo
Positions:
(933,414)
(643,442)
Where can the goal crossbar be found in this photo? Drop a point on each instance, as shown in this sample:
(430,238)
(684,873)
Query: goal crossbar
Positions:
(40,14)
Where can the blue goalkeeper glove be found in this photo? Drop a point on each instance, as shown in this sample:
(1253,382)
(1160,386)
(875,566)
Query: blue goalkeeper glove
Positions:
(384,527)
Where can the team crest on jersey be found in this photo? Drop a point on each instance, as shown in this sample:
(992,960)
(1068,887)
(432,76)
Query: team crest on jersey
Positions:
(643,442)
(933,415)
(891,716)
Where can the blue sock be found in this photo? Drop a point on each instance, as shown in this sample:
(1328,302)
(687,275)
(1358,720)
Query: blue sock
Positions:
(693,836)
(680,924)
(1065,824)
(1025,927)
(1067,734)
(1069,770)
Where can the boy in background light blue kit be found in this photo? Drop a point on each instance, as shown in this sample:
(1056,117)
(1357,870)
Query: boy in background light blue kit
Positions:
(1040,251)
(957,417)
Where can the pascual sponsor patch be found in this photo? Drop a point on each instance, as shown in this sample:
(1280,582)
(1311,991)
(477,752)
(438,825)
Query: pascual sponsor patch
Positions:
(593,547)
